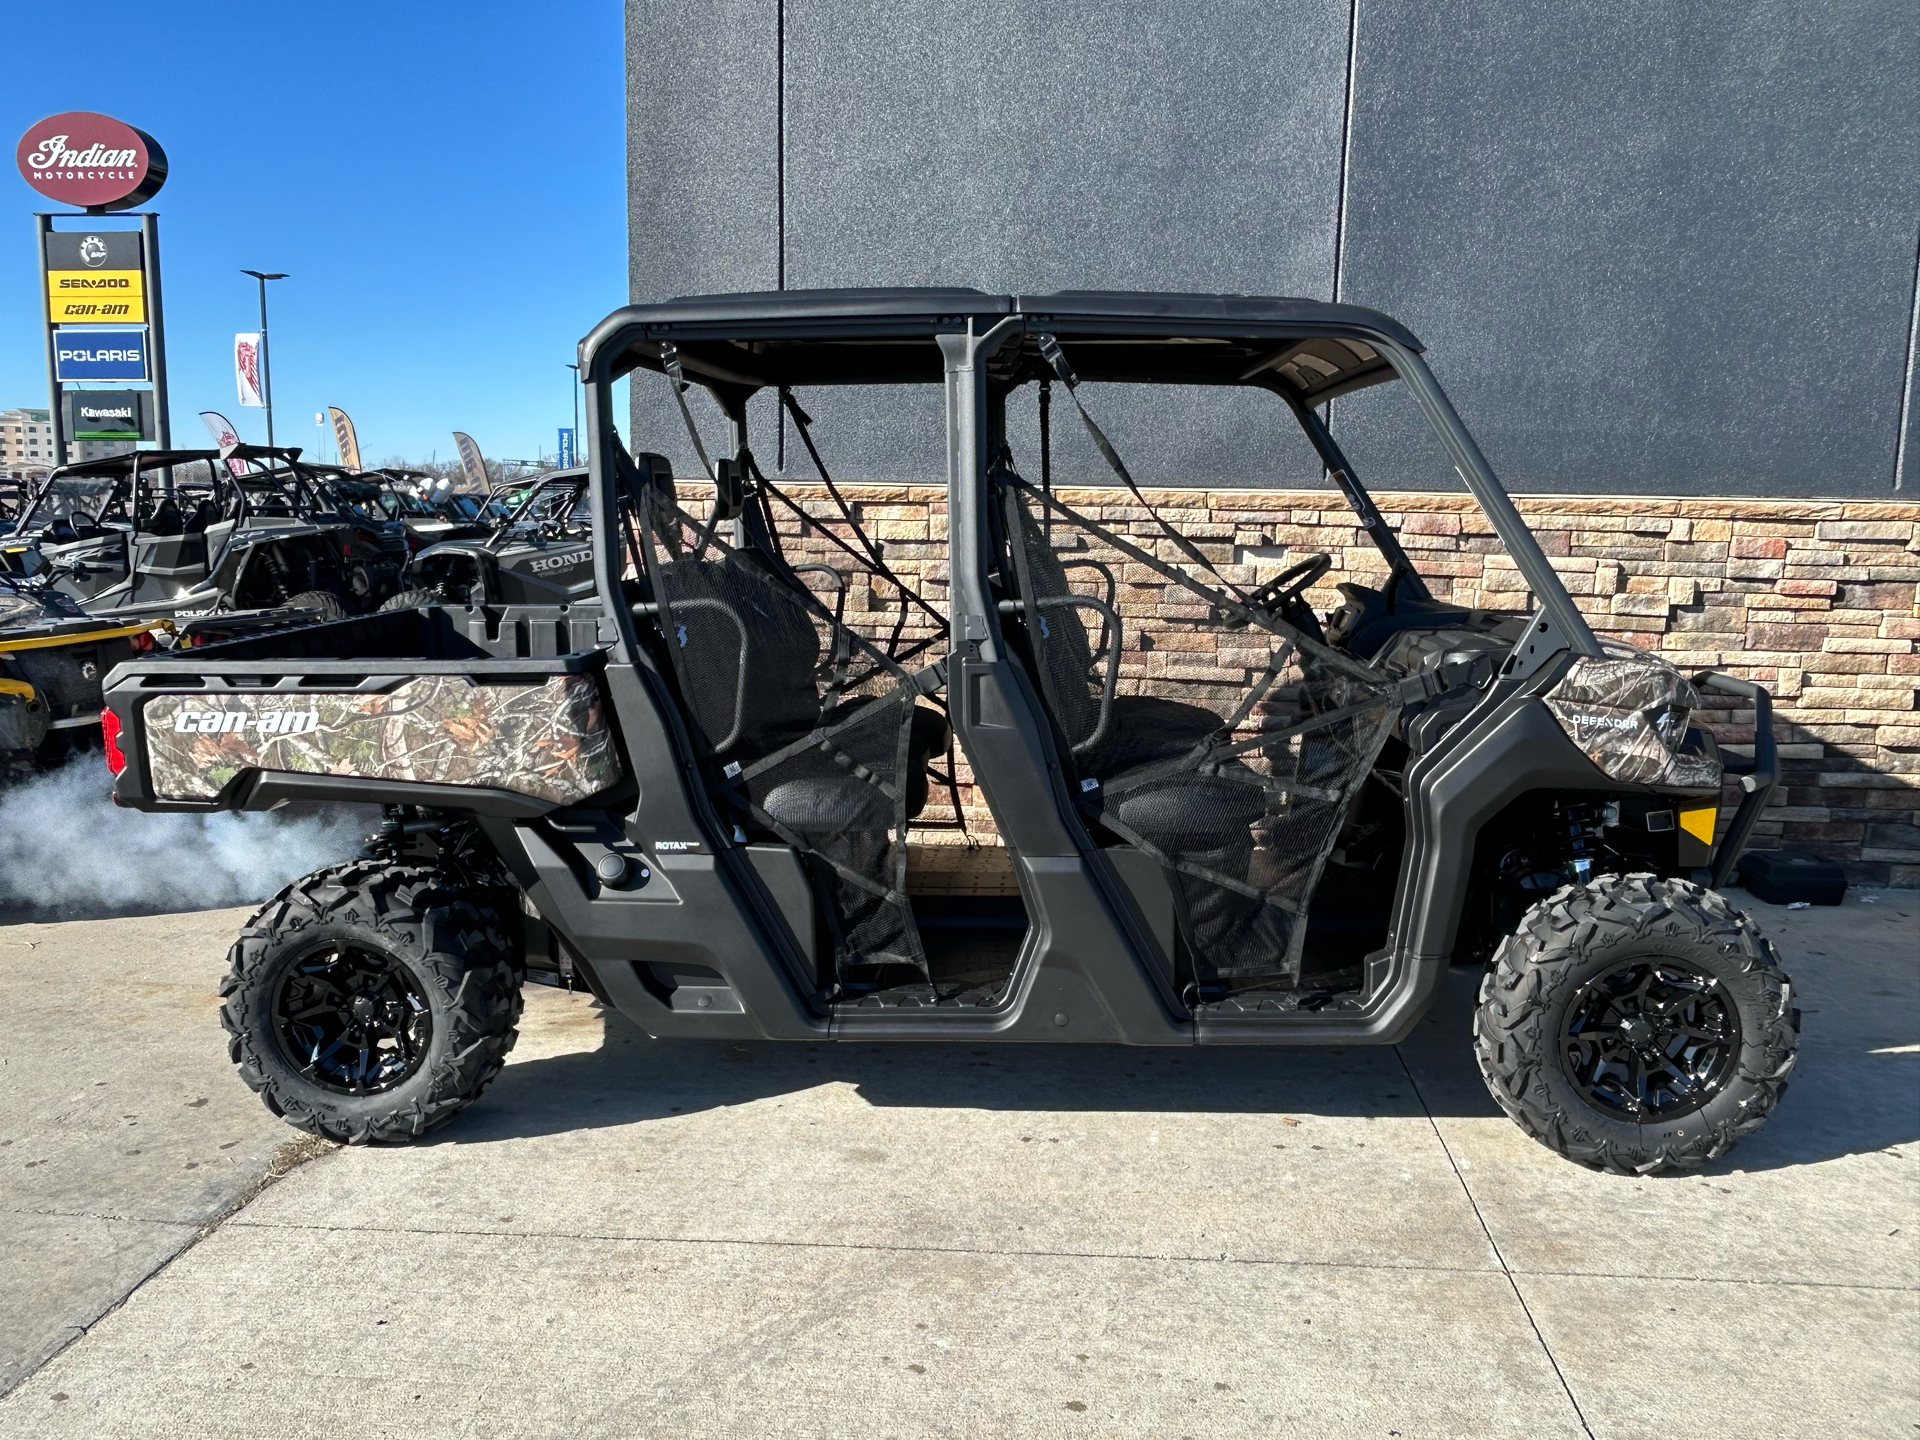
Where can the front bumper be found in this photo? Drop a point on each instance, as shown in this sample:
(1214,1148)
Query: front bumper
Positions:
(1757,779)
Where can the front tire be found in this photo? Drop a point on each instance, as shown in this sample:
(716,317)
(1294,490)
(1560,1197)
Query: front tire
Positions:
(371,1002)
(1637,1025)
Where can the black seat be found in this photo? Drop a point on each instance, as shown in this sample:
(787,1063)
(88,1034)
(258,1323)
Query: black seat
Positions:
(1241,827)
(1140,729)
(61,531)
(204,514)
(820,768)
(783,697)
(165,520)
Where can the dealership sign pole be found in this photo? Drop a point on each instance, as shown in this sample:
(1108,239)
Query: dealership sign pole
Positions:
(102,166)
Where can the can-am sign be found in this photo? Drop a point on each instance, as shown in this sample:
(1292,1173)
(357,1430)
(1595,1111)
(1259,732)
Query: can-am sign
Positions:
(92,161)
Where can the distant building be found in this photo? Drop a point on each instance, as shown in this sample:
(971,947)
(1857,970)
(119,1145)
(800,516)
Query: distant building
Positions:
(78,450)
(26,443)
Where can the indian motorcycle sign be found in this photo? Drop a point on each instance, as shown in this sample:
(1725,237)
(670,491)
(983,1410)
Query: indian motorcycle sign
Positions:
(92,161)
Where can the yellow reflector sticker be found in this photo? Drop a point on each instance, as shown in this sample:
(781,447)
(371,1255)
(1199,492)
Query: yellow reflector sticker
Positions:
(1699,823)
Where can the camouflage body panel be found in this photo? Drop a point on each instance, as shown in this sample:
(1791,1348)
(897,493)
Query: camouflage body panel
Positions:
(1616,710)
(549,740)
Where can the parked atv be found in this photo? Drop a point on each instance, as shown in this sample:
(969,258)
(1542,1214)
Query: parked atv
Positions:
(53,660)
(152,533)
(688,785)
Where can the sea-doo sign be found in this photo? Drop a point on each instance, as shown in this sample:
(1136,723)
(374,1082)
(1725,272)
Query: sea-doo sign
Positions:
(93,161)
(96,278)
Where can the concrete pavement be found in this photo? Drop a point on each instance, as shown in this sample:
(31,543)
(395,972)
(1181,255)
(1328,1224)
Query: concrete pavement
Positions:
(630,1238)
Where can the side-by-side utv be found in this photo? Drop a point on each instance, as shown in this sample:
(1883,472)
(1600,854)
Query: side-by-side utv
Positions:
(541,554)
(184,532)
(698,785)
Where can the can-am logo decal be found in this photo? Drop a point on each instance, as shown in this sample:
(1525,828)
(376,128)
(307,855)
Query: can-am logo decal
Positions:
(558,562)
(230,722)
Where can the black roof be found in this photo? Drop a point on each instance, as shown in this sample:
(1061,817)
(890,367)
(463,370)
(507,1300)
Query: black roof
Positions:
(123,463)
(885,336)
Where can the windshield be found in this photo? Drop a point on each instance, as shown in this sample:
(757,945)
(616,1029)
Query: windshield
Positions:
(84,502)
(557,507)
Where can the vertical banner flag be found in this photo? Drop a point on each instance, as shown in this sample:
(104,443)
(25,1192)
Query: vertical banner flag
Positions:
(565,456)
(473,464)
(344,440)
(246,368)
(224,436)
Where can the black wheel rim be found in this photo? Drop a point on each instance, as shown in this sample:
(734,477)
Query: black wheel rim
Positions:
(352,1020)
(1651,1040)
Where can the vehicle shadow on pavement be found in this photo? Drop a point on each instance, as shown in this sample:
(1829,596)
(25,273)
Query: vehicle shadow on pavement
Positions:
(1844,1100)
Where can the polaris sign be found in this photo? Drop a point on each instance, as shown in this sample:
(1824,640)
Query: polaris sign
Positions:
(96,353)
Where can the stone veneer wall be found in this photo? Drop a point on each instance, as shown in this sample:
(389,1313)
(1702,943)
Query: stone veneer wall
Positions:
(1816,600)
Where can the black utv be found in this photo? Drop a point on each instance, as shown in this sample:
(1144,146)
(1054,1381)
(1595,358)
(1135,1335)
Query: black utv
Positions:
(541,554)
(700,786)
(185,532)
(402,501)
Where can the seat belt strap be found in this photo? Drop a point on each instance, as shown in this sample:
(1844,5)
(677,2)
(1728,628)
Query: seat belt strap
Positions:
(1051,353)
(670,358)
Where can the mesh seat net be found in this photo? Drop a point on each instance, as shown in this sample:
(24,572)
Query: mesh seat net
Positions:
(808,727)
(1236,776)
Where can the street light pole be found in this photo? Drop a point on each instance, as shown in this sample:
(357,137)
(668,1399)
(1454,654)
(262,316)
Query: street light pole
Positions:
(266,364)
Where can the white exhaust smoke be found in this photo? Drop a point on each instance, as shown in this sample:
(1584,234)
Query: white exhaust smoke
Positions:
(65,847)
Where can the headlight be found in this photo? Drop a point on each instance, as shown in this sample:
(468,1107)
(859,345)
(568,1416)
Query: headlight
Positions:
(1629,712)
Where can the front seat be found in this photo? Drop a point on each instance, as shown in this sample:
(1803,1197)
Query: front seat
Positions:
(1234,840)
(1140,729)
(166,520)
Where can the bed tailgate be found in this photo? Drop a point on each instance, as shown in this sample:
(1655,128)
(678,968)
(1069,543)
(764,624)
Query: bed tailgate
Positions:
(510,736)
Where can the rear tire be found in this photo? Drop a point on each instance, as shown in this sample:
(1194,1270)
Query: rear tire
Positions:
(410,600)
(324,604)
(1597,1024)
(371,1002)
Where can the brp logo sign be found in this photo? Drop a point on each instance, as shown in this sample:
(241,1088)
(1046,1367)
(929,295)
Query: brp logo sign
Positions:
(93,161)
(93,252)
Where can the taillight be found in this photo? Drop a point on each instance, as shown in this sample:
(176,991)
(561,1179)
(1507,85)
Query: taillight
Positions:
(110,741)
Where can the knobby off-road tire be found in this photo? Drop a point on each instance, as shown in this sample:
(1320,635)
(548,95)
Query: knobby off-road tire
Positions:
(438,945)
(1558,970)
(409,600)
(324,604)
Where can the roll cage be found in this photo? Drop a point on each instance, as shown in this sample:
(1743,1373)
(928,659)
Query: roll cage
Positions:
(981,348)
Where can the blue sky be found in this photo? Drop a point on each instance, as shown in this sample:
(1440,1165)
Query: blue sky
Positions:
(444,183)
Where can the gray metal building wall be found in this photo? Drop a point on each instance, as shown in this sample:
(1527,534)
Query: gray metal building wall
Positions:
(1651,248)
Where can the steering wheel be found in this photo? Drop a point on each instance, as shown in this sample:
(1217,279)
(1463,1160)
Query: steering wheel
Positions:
(1283,592)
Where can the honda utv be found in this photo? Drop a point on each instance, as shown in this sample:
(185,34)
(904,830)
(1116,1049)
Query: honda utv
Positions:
(702,786)
(540,555)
